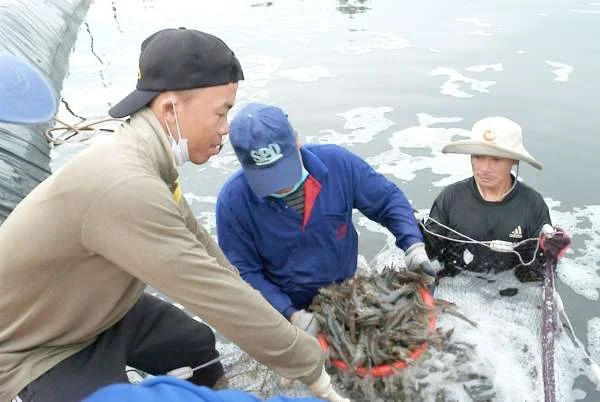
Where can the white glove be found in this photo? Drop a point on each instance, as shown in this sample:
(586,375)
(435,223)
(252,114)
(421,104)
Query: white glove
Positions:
(415,255)
(323,389)
(306,321)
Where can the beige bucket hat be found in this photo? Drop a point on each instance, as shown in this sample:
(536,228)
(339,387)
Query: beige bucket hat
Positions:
(494,136)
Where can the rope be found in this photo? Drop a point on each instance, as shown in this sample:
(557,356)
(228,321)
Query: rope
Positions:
(494,245)
(63,132)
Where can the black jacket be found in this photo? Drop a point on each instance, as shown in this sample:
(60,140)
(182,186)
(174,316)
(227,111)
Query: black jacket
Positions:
(460,206)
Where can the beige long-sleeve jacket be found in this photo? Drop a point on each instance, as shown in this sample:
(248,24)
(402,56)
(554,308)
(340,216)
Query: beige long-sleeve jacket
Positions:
(78,251)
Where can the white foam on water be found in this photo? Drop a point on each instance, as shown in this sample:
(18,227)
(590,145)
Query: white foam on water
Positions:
(542,14)
(61,154)
(578,269)
(585,11)
(454,83)
(480,32)
(191,198)
(209,221)
(404,166)
(561,70)
(474,20)
(307,74)
(434,50)
(484,67)
(429,120)
(374,41)
(521,51)
(364,122)
(371,226)
(253,95)
(259,70)
(578,277)
(401,164)
(593,338)
(227,162)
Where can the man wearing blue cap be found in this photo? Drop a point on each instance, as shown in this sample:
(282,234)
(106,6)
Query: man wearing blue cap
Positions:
(285,219)
(78,252)
(27,97)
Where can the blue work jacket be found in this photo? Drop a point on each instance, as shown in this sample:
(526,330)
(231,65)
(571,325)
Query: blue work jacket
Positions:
(288,257)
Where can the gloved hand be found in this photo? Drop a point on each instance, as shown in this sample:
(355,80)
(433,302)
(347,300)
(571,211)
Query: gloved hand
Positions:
(415,255)
(305,321)
(323,389)
(555,245)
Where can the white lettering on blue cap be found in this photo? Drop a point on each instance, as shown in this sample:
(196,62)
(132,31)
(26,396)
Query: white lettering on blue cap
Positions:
(266,155)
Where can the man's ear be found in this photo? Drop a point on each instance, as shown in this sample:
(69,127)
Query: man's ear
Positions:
(163,107)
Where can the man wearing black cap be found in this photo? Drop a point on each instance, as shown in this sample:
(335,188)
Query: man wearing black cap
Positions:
(79,250)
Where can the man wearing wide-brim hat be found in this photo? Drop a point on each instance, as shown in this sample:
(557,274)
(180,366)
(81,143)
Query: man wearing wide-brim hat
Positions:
(491,205)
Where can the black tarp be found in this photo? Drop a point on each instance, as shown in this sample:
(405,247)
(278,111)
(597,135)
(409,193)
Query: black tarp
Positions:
(43,32)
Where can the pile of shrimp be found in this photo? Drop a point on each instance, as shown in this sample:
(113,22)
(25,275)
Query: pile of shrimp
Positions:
(380,319)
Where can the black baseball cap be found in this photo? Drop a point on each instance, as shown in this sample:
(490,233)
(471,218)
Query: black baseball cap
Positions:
(178,59)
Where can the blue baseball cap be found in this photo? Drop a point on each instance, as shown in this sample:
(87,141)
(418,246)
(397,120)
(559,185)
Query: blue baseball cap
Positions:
(265,144)
(27,97)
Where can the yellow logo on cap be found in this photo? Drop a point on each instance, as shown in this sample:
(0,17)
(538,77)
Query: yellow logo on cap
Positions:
(139,73)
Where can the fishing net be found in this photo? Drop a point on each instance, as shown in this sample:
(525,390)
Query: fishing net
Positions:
(498,360)
(499,286)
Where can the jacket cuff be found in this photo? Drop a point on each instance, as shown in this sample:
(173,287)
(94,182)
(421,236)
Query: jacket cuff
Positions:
(409,242)
(287,312)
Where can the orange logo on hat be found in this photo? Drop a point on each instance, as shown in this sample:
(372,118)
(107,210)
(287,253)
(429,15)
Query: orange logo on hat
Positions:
(489,135)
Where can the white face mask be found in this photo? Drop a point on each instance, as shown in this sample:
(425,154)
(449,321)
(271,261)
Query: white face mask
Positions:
(179,148)
(294,187)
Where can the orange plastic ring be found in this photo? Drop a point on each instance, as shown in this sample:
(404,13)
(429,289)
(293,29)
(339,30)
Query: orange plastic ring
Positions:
(385,370)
